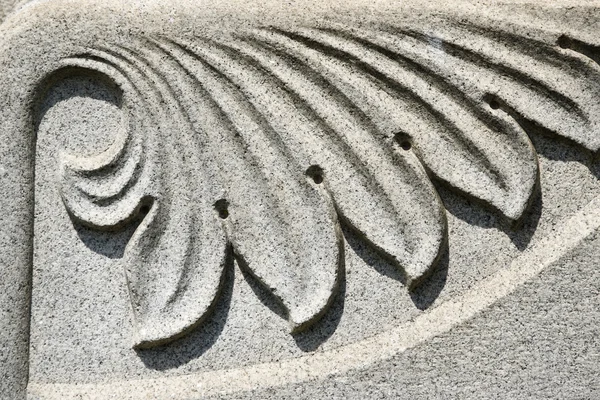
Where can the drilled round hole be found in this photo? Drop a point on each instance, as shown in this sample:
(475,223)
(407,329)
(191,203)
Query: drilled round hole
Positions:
(316,173)
(494,105)
(564,42)
(145,209)
(221,207)
(404,140)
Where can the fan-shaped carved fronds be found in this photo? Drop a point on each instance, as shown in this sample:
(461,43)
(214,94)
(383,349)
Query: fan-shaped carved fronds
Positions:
(262,141)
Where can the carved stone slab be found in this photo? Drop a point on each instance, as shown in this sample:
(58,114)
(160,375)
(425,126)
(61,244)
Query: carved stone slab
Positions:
(205,199)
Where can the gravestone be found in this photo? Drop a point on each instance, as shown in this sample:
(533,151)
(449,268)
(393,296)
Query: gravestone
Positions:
(259,199)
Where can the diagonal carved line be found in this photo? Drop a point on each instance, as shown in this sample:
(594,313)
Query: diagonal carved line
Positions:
(536,49)
(321,81)
(258,117)
(434,78)
(483,61)
(588,50)
(301,105)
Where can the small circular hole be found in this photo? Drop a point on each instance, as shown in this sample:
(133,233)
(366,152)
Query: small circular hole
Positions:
(494,104)
(221,207)
(145,209)
(564,42)
(404,140)
(316,173)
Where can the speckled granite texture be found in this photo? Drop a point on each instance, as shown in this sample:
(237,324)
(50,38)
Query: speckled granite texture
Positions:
(252,199)
(539,343)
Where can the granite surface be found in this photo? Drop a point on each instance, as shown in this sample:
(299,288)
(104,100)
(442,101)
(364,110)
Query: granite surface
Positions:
(307,200)
(539,343)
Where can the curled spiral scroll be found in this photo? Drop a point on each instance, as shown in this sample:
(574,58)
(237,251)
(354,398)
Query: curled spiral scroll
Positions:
(260,142)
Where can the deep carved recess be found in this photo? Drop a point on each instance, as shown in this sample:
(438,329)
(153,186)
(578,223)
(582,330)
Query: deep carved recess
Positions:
(261,143)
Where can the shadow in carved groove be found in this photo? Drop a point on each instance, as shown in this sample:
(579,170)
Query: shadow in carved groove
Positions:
(110,244)
(317,334)
(558,148)
(263,294)
(200,339)
(427,291)
(470,211)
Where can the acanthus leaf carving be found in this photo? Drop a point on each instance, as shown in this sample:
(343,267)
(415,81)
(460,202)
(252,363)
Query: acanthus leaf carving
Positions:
(263,142)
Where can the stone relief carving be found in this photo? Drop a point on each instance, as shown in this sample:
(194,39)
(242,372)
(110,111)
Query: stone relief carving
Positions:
(261,140)
(259,143)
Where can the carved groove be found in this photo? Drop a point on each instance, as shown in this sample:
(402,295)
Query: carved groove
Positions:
(590,51)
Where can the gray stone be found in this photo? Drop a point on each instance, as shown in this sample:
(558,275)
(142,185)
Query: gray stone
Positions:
(256,199)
